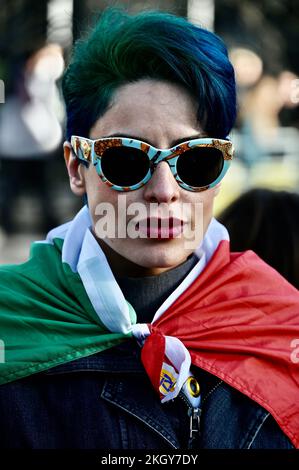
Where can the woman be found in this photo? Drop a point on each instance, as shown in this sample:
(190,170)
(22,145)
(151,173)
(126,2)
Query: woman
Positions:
(150,101)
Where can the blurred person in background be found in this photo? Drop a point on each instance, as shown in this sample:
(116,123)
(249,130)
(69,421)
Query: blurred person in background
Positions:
(267,222)
(30,135)
(261,110)
(119,341)
(262,98)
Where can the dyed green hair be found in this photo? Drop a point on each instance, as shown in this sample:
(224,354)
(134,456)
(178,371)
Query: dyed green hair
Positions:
(124,48)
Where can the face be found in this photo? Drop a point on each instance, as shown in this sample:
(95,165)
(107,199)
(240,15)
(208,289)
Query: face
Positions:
(159,113)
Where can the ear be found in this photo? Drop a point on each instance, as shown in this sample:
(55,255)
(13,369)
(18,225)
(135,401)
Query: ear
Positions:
(75,170)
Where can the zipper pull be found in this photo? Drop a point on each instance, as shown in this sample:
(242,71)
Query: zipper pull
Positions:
(194,414)
(190,393)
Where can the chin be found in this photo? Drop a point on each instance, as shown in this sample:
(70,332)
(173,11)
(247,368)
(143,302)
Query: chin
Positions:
(158,259)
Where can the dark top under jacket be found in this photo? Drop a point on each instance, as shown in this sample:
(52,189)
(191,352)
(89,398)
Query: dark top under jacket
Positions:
(106,401)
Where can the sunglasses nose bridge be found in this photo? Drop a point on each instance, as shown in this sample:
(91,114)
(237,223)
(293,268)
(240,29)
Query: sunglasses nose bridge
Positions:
(160,156)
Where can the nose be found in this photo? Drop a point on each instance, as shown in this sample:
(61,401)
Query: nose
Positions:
(162,187)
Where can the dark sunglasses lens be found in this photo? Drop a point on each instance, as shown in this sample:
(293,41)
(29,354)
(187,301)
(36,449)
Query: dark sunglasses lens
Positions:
(124,166)
(200,166)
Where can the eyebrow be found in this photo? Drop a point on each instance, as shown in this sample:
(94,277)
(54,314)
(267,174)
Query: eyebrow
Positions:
(173,143)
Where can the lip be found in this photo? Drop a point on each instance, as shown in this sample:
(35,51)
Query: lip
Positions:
(154,227)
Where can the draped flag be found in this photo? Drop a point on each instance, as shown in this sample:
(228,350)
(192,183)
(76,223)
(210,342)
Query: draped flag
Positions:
(236,319)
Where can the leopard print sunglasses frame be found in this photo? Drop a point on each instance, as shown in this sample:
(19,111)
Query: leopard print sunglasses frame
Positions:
(92,151)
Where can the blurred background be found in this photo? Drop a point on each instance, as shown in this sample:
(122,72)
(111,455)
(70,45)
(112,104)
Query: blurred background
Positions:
(35,42)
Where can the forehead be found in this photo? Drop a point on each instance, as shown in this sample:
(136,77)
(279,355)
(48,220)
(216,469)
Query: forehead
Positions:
(162,92)
(148,106)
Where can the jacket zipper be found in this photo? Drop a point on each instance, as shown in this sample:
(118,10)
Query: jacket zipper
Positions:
(194,413)
(194,402)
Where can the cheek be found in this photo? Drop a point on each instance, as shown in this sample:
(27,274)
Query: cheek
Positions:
(97,191)
(203,203)
(207,197)
(100,193)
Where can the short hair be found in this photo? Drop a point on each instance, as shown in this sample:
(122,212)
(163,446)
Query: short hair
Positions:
(124,48)
(267,222)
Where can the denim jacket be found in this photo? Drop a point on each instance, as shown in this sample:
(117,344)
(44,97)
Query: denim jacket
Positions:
(106,401)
